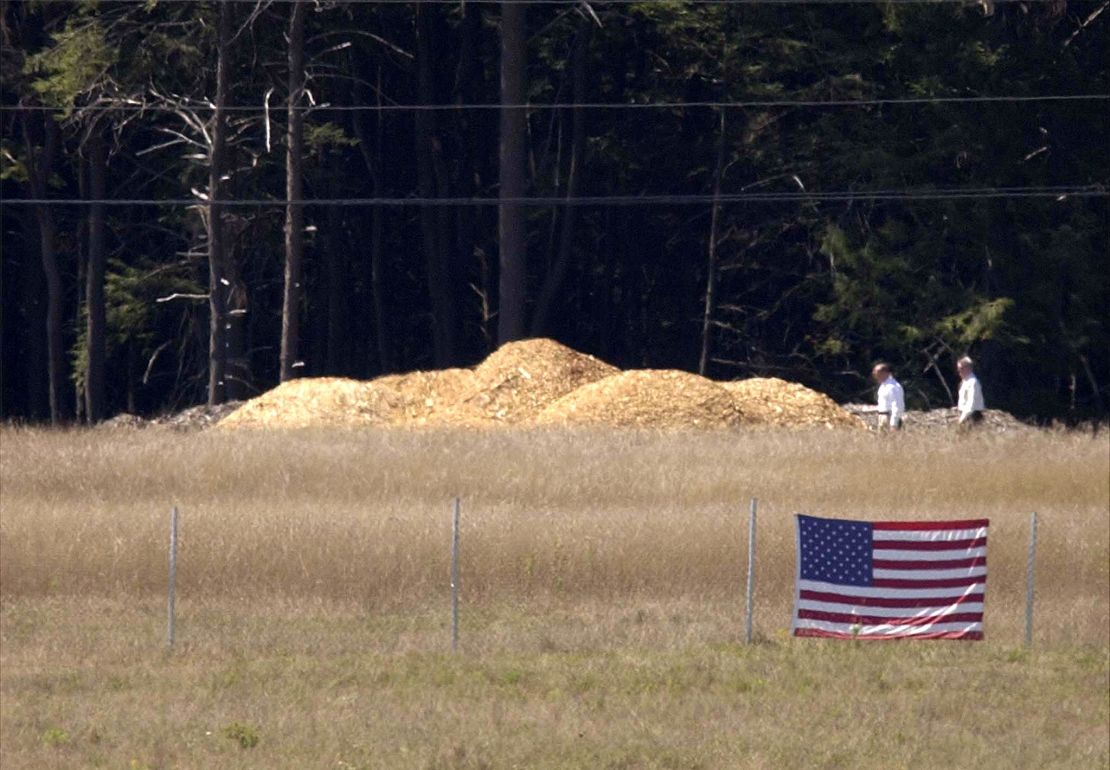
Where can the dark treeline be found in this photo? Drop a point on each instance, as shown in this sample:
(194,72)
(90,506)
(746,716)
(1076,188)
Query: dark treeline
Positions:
(149,307)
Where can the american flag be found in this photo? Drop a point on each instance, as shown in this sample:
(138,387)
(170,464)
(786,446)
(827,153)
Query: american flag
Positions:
(890,580)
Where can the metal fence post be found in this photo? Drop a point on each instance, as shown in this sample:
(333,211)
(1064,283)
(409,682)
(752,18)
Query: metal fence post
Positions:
(455,578)
(173,578)
(1029,572)
(751,573)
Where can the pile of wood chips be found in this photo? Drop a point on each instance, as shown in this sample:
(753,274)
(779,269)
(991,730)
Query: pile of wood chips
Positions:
(782,404)
(511,386)
(539,382)
(521,379)
(436,397)
(332,402)
(647,398)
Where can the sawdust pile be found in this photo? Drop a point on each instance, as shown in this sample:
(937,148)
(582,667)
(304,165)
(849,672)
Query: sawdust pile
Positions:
(782,404)
(648,398)
(522,378)
(332,402)
(539,382)
(511,386)
(436,397)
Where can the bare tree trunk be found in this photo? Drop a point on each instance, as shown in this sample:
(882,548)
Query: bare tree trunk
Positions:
(294,191)
(371,150)
(55,351)
(237,364)
(42,167)
(81,252)
(336,284)
(711,260)
(469,139)
(433,223)
(377,283)
(1095,390)
(558,273)
(96,329)
(512,234)
(33,356)
(218,286)
(132,402)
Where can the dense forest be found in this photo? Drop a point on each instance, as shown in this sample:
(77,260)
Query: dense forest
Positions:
(245,191)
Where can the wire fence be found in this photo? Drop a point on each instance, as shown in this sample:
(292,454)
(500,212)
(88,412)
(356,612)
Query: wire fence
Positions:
(971,572)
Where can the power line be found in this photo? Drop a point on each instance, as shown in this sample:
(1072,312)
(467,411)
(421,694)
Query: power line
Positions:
(969,3)
(1059,192)
(280,107)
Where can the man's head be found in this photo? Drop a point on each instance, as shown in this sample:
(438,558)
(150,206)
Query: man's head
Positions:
(965,366)
(880,372)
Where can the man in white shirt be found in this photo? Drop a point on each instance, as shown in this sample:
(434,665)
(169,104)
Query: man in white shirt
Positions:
(892,400)
(970,401)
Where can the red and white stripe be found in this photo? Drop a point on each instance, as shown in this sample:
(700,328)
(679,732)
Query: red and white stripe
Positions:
(929,581)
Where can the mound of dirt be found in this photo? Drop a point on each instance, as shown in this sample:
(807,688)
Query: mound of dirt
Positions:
(771,401)
(520,379)
(197,417)
(318,402)
(192,419)
(648,398)
(123,421)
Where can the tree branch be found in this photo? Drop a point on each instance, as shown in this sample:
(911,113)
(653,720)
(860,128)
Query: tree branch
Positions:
(179,295)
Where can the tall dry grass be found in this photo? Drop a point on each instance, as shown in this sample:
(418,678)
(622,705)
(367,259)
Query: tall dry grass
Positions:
(548,516)
(601,602)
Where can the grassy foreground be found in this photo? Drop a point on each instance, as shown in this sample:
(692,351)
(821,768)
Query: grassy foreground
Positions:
(602,610)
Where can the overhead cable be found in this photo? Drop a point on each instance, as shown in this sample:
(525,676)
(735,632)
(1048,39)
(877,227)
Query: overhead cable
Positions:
(1056,192)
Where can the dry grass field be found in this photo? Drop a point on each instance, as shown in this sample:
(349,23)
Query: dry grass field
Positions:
(602,607)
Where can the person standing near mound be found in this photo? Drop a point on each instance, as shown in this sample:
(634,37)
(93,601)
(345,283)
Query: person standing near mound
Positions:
(891,398)
(970,402)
